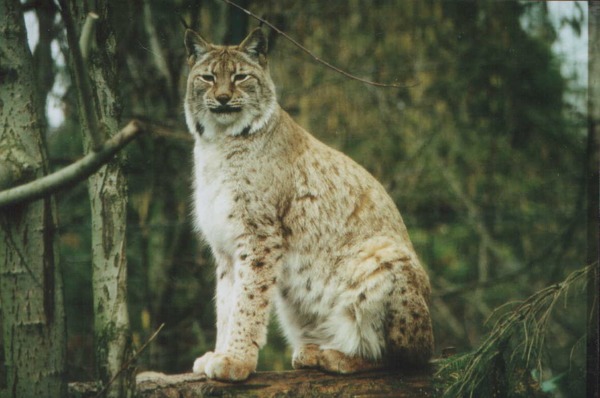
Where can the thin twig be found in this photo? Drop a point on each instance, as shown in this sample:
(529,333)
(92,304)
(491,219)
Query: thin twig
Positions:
(315,57)
(130,361)
(73,173)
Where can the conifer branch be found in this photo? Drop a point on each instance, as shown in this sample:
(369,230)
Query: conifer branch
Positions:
(525,327)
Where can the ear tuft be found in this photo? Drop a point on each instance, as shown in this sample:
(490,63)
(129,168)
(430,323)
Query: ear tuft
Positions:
(255,45)
(195,45)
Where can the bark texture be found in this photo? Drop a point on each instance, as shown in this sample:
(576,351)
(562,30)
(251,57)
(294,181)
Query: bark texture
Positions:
(30,281)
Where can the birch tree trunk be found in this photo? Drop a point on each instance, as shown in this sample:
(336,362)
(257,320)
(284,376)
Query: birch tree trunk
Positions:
(108,200)
(108,197)
(30,281)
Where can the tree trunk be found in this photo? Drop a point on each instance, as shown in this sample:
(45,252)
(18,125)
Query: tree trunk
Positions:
(30,279)
(108,195)
(108,200)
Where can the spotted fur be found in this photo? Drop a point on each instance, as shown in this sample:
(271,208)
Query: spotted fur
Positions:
(293,222)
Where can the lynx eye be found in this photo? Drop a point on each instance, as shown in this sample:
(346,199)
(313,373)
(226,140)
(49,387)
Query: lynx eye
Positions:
(240,78)
(207,78)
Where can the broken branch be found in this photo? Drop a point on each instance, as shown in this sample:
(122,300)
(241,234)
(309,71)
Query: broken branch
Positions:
(73,173)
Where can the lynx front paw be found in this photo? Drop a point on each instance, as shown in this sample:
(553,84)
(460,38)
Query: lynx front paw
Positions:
(200,363)
(226,368)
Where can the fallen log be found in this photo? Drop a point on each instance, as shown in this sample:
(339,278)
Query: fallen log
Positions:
(301,383)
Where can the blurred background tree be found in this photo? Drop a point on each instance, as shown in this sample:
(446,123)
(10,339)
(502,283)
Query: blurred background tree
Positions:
(484,157)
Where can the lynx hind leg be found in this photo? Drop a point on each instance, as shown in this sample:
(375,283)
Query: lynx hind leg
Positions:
(337,362)
(306,357)
(310,356)
(409,334)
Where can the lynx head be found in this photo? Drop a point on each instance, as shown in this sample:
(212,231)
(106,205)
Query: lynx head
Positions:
(229,89)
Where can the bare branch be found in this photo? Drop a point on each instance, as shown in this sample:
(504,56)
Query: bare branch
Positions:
(82,81)
(73,173)
(315,57)
(165,128)
(85,39)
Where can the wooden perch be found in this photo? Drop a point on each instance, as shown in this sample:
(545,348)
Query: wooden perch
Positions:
(300,383)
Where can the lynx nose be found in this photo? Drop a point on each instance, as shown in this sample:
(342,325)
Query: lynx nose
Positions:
(223,98)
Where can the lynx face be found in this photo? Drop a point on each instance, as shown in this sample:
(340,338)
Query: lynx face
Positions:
(229,90)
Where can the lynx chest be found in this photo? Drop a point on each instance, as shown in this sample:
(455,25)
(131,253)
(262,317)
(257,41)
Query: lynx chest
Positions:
(213,199)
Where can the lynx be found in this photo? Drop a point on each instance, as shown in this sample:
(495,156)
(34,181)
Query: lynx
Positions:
(293,222)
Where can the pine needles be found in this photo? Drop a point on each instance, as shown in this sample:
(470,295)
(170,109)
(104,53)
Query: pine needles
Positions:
(501,366)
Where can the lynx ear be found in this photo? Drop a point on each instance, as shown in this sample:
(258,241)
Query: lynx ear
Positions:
(195,45)
(256,46)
